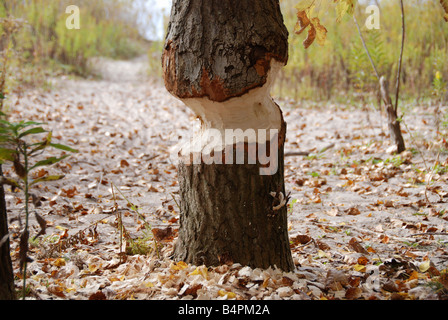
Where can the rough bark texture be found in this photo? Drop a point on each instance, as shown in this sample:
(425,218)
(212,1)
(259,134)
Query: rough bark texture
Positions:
(229,215)
(6,272)
(222,48)
(220,58)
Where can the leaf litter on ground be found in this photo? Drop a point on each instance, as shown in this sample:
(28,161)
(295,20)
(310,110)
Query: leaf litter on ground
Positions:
(363,223)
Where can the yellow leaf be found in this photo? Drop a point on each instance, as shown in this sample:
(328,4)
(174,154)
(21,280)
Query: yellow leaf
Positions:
(359,268)
(93,267)
(344,7)
(178,266)
(413,276)
(59,262)
(149,284)
(230,295)
(321,254)
(321,31)
(424,266)
(200,271)
(303,5)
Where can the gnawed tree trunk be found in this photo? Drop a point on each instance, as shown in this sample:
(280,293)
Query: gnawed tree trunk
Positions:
(220,59)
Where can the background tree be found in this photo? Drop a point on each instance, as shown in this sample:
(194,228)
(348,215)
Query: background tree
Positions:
(307,19)
(6,273)
(220,58)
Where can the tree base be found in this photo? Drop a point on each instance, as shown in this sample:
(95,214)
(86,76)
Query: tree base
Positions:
(232,214)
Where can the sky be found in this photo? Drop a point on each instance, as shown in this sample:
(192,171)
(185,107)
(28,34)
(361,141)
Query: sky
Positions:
(158,8)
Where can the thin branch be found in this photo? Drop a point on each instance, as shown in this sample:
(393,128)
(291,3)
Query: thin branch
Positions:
(365,47)
(400,61)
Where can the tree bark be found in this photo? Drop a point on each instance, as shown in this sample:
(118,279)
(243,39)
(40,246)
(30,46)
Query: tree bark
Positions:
(6,271)
(392,118)
(222,48)
(221,58)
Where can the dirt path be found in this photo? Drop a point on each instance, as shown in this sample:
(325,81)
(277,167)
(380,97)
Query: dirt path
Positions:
(356,220)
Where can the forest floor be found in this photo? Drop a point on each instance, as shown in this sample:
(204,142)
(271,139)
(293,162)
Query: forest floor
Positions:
(363,223)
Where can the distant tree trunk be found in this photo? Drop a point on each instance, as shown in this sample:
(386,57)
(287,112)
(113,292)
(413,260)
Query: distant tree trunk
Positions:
(6,272)
(391,110)
(220,59)
(392,117)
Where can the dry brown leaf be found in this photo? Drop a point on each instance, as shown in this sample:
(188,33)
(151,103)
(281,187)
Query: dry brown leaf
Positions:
(310,37)
(163,234)
(301,239)
(353,293)
(336,280)
(363,260)
(353,211)
(70,193)
(124,163)
(355,245)
(302,22)
(99,295)
(56,290)
(444,4)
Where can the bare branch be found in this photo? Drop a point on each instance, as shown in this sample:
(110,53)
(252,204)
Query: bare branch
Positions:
(400,61)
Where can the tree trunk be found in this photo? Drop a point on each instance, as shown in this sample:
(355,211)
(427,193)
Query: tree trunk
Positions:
(392,118)
(221,58)
(6,272)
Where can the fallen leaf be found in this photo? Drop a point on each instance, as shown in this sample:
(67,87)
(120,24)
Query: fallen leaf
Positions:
(390,286)
(99,295)
(230,295)
(359,268)
(56,290)
(353,211)
(124,163)
(163,234)
(333,212)
(353,293)
(70,193)
(301,239)
(336,280)
(202,271)
(60,262)
(424,266)
(355,245)
(178,266)
(363,260)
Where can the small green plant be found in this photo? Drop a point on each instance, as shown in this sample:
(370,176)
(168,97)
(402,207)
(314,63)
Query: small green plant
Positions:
(139,245)
(20,147)
(439,86)
(291,206)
